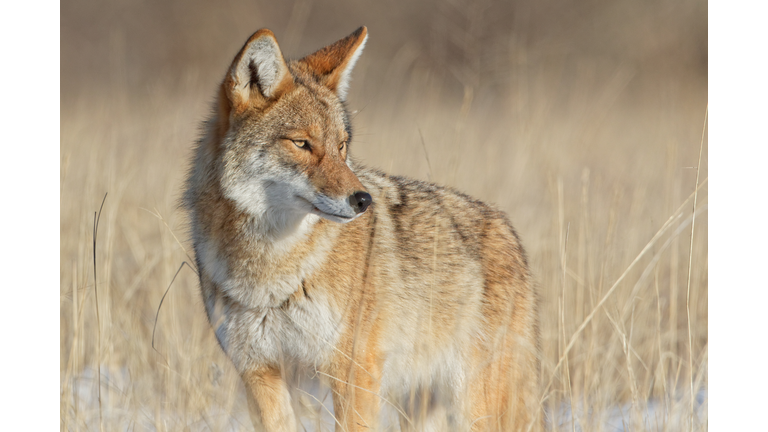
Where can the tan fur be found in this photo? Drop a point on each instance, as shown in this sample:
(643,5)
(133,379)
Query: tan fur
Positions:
(422,303)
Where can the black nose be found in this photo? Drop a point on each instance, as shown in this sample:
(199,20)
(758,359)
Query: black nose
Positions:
(360,201)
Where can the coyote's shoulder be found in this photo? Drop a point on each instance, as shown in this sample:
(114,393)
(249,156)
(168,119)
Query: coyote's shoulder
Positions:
(397,292)
(422,212)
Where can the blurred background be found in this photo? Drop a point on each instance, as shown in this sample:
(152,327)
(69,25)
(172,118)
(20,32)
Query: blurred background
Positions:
(582,120)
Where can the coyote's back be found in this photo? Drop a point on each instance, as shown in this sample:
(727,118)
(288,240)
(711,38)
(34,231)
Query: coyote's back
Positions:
(396,292)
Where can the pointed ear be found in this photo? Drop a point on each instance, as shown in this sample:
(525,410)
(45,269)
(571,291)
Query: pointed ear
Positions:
(258,73)
(333,64)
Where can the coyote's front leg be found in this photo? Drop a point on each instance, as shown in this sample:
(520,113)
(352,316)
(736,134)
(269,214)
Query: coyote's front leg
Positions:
(356,386)
(269,402)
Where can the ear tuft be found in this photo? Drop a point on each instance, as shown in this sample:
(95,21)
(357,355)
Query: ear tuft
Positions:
(258,72)
(333,64)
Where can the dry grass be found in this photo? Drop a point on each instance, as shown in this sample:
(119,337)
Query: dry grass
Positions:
(589,139)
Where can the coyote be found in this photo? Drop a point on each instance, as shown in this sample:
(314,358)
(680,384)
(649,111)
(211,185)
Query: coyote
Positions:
(398,293)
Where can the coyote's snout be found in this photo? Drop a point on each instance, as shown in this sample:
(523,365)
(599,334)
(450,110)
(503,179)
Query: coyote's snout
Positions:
(397,292)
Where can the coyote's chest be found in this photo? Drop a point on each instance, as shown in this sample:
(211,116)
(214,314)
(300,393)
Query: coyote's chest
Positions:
(262,318)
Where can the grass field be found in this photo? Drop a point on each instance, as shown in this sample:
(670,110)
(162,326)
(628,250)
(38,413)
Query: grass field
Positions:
(585,123)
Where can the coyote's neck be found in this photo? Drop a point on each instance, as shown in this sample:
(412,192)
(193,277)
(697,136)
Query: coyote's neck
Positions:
(259,266)
(282,230)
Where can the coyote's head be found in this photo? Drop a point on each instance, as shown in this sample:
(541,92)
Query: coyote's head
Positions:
(283,132)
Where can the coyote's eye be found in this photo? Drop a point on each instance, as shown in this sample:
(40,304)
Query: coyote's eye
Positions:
(301,144)
(341,146)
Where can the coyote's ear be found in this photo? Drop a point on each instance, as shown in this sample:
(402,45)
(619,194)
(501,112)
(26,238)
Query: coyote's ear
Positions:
(333,64)
(258,72)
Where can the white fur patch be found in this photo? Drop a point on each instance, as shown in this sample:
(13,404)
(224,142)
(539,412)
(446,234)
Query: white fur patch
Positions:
(303,330)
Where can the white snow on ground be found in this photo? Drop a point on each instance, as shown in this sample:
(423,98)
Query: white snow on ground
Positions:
(656,416)
(315,403)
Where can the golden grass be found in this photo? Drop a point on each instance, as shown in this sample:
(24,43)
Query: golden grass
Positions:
(595,159)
